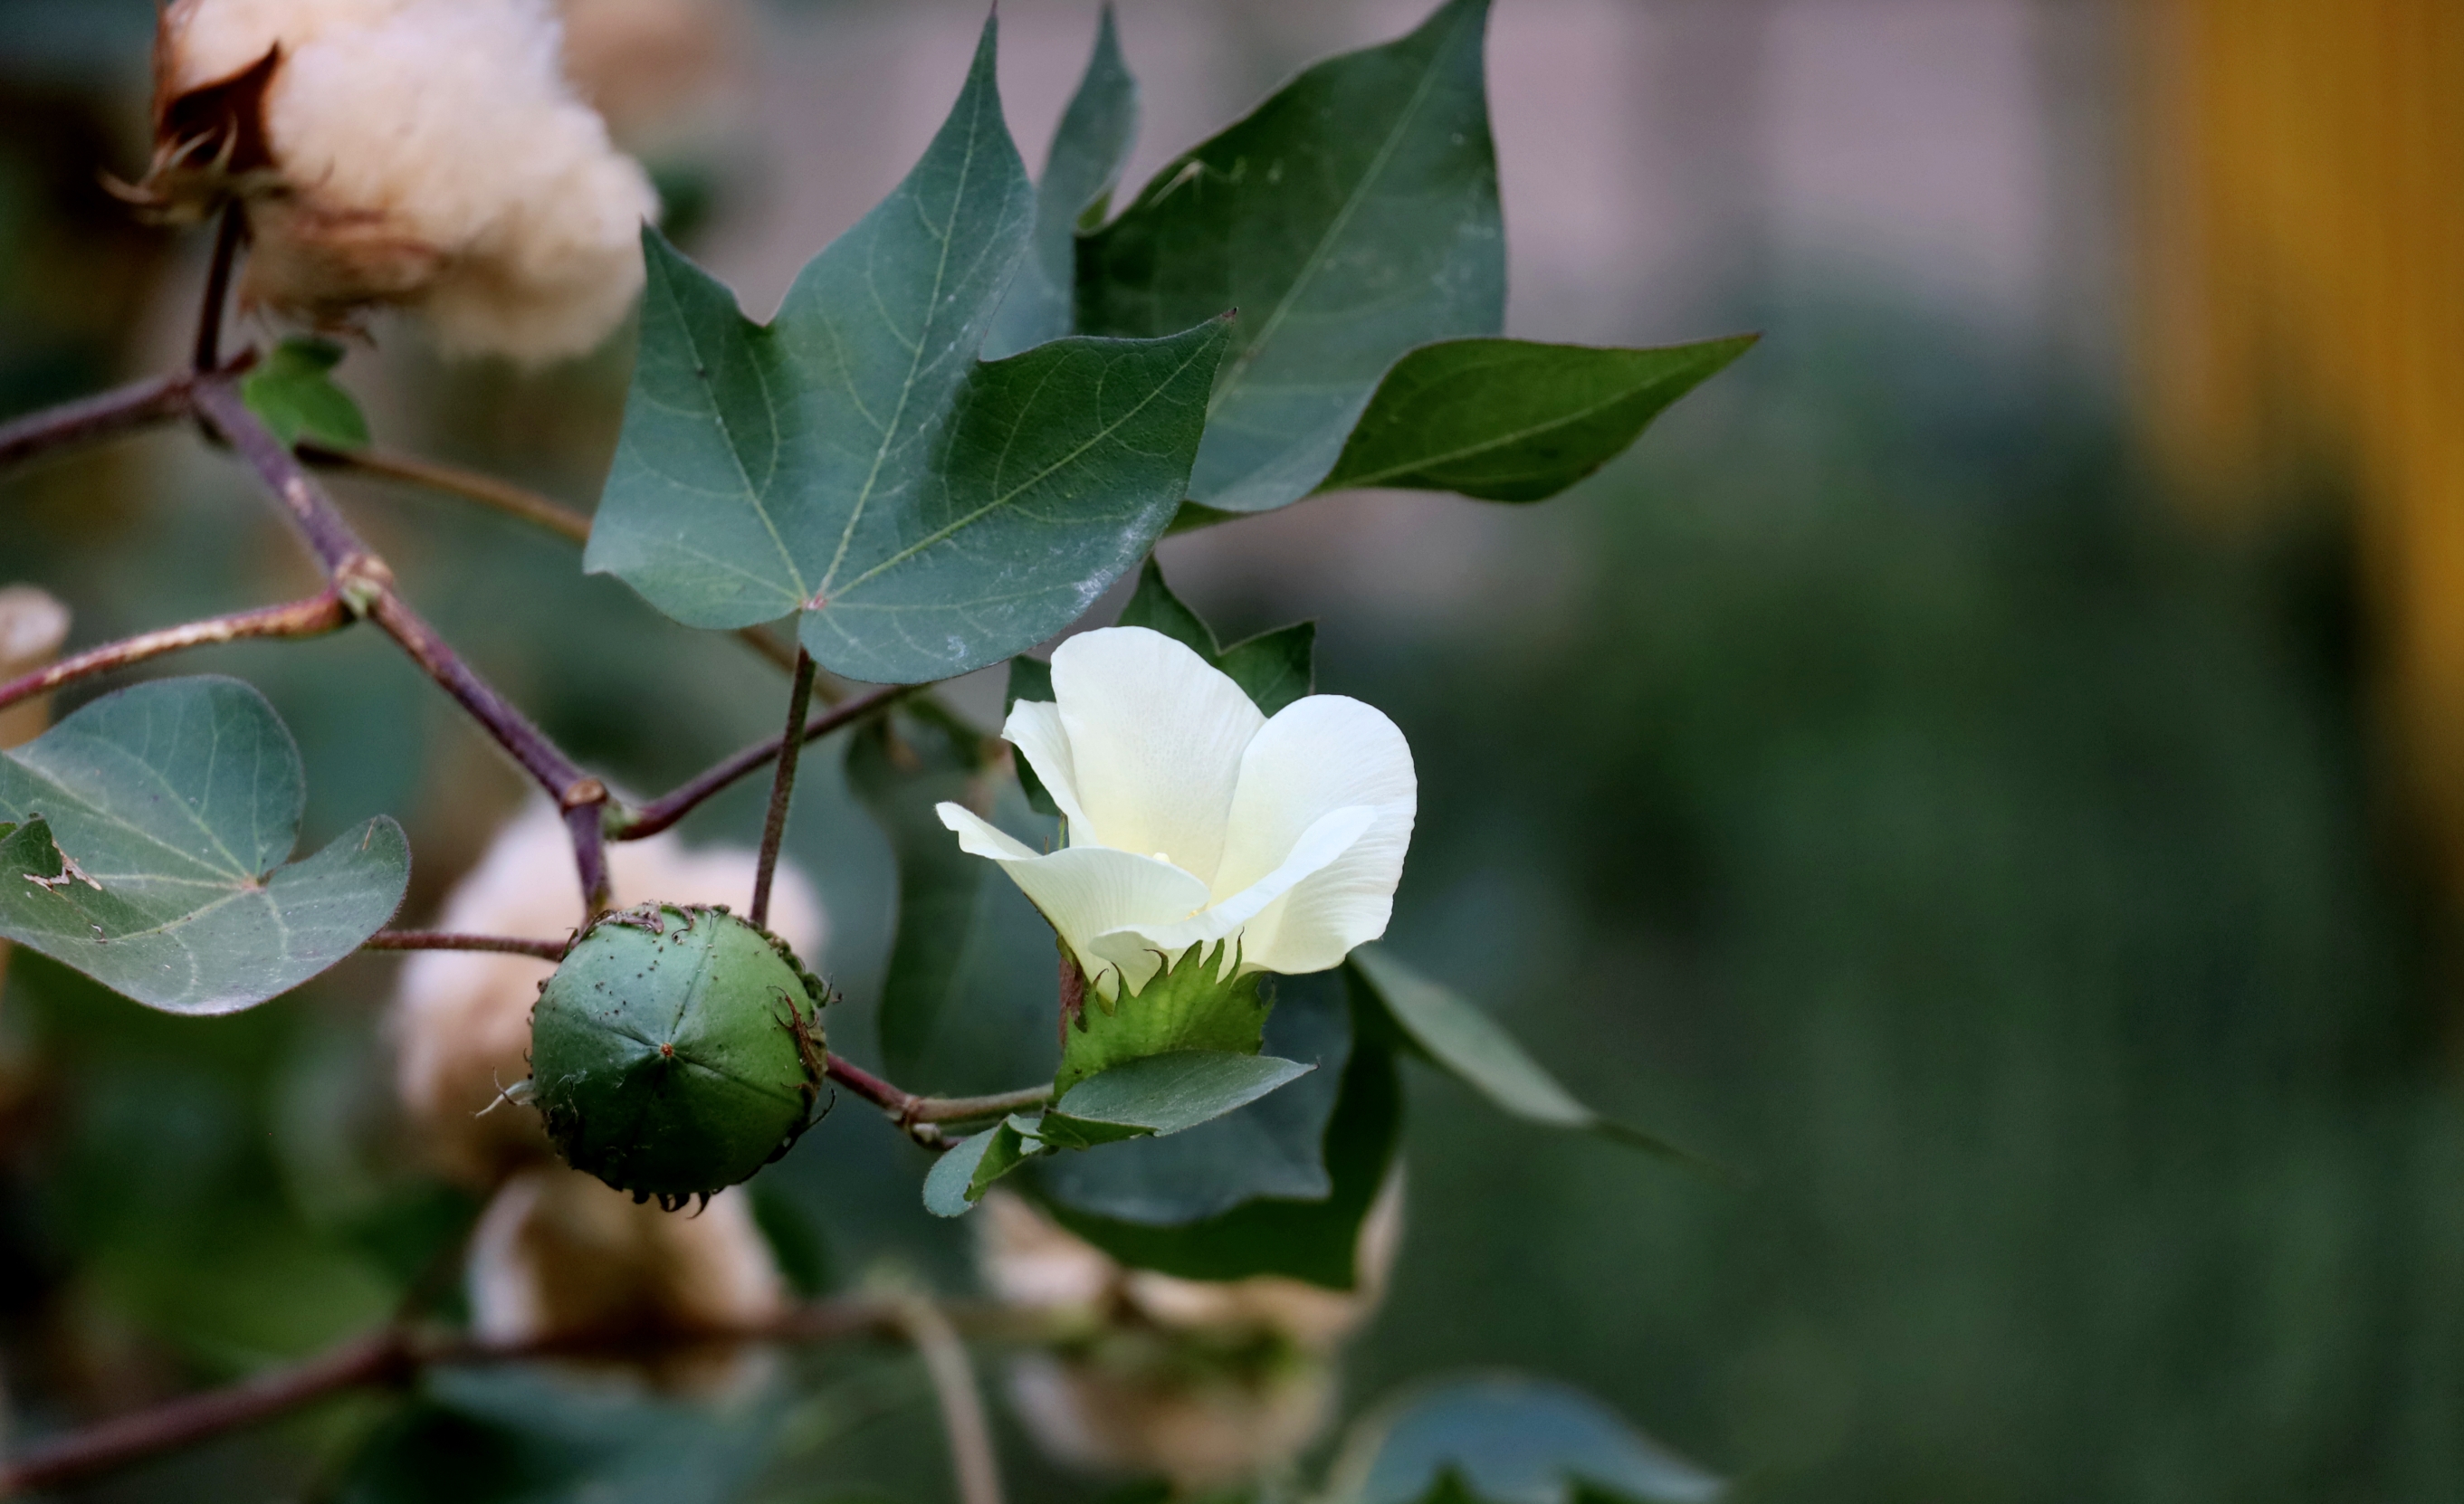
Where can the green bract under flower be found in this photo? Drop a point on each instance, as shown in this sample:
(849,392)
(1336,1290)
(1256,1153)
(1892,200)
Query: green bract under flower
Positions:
(676,1051)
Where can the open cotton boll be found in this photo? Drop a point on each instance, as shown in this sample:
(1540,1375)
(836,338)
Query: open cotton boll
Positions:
(33,626)
(418,154)
(559,1256)
(461,1019)
(1208,1383)
(1193,818)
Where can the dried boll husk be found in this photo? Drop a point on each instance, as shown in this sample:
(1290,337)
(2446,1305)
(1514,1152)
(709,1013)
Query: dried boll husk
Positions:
(461,1020)
(427,154)
(1208,1383)
(559,1258)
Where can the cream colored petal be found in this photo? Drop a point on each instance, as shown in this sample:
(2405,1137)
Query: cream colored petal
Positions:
(1156,738)
(1343,904)
(1320,753)
(1319,847)
(1034,728)
(1085,890)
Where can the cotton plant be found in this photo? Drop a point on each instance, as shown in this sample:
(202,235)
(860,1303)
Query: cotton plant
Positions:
(975,413)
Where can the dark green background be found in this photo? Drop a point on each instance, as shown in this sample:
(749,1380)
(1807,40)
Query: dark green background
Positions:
(1866,783)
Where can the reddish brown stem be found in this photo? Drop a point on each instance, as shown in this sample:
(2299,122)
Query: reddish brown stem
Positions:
(364,581)
(141,404)
(446,939)
(782,790)
(228,238)
(516,501)
(321,613)
(383,1358)
(919,1116)
(665,811)
(394,1356)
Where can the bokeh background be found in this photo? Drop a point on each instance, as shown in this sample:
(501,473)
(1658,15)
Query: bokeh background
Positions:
(1990,768)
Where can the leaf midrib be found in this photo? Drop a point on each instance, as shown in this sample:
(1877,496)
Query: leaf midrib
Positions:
(1319,253)
(949,234)
(1518,436)
(960,524)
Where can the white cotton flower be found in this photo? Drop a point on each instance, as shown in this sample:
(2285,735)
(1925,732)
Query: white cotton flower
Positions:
(418,154)
(461,1019)
(557,1256)
(1193,818)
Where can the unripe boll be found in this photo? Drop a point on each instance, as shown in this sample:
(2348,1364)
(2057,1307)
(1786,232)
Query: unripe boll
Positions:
(676,1051)
(461,1019)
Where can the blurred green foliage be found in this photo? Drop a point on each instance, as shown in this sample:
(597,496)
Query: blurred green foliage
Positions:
(1877,793)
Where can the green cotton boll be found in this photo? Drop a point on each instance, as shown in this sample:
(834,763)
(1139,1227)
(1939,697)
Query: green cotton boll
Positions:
(676,1051)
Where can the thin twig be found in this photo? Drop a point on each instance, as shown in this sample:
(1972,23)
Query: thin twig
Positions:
(921,1118)
(568,523)
(365,581)
(319,614)
(395,1355)
(972,1458)
(445,940)
(140,404)
(515,501)
(665,811)
(227,236)
(782,789)
(382,1359)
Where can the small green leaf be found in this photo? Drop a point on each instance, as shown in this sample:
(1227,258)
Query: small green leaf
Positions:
(151,831)
(1030,679)
(1183,1007)
(1154,607)
(1314,1239)
(1474,1049)
(899,767)
(1350,218)
(1168,1094)
(959,1178)
(1510,1440)
(1506,420)
(1273,669)
(1276,1147)
(293,391)
(1088,151)
(926,512)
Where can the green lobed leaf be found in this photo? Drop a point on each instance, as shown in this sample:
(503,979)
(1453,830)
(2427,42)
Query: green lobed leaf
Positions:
(1169,1094)
(1315,1239)
(927,512)
(1090,148)
(1473,1048)
(1506,1439)
(150,832)
(1273,669)
(293,391)
(899,767)
(1508,420)
(1273,1149)
(1350,218)
(1184,1006)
